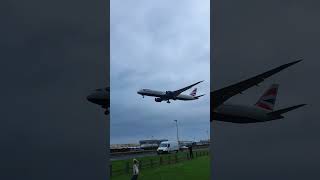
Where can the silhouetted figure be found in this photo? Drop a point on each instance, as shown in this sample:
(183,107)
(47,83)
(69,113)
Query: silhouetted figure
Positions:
(135,170)
(190,152)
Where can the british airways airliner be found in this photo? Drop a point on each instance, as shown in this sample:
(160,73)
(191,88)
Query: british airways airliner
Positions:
(262,111)
(174,95)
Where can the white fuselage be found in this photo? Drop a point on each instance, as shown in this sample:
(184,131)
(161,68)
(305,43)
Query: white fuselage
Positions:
(162,95)
(241,114)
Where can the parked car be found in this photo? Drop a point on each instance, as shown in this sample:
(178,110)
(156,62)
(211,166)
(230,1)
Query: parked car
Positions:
(183,148)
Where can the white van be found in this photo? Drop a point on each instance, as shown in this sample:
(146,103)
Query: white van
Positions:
(168,147)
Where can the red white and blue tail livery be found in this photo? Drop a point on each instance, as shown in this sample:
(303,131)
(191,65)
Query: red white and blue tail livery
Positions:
(194,92)
(268,99)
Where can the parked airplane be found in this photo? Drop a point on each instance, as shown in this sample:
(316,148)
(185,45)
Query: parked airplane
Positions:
(263,109)
(175,95)
(102,98)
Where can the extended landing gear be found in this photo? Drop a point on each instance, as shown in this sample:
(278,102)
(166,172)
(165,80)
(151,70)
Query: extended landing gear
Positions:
(142,96)
(168,101)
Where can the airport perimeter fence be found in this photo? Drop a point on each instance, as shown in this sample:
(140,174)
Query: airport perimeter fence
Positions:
(156,161)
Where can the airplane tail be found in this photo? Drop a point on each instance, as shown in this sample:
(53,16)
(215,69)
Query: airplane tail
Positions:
(285,110)
(194,92)
(268,99)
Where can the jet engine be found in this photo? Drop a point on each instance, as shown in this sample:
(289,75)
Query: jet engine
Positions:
(158,99)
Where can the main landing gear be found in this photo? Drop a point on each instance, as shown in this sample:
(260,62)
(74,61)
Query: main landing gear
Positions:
(168,101)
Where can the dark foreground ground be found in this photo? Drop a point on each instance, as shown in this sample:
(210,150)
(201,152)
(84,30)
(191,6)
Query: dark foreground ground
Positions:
(198,168)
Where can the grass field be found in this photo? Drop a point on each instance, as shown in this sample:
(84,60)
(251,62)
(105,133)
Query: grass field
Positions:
(120,164)
(197,168)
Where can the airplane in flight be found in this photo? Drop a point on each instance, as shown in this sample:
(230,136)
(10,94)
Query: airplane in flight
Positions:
(101,97)
(174,95)
(262,111)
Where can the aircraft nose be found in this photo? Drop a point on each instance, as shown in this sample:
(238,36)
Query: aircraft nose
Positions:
(90,98)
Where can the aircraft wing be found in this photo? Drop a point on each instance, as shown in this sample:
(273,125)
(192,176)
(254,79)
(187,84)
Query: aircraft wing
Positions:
(177,92)
(221,95)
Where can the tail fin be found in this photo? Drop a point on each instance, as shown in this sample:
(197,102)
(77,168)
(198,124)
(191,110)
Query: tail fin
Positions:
(194,92)
(268,99)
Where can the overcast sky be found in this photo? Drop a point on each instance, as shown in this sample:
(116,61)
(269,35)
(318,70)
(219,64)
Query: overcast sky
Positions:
(161,45)
(251,37)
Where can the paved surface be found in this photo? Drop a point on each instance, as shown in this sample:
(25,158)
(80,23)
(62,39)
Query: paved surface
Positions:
(131,156)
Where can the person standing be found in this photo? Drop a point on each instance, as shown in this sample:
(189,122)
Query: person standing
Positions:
(135,170)
(190,152)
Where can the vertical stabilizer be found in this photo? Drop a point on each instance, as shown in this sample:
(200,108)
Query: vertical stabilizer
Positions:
(194,92)
(268,99)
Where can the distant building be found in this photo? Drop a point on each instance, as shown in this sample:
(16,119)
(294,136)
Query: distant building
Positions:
(123,147)
(120,146)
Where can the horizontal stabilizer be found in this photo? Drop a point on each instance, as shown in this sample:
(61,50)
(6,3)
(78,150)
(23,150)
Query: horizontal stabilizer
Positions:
(285,110)
(200,96)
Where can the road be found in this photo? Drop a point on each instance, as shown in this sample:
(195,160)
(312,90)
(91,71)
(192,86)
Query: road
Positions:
(126,156)
(131,156)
